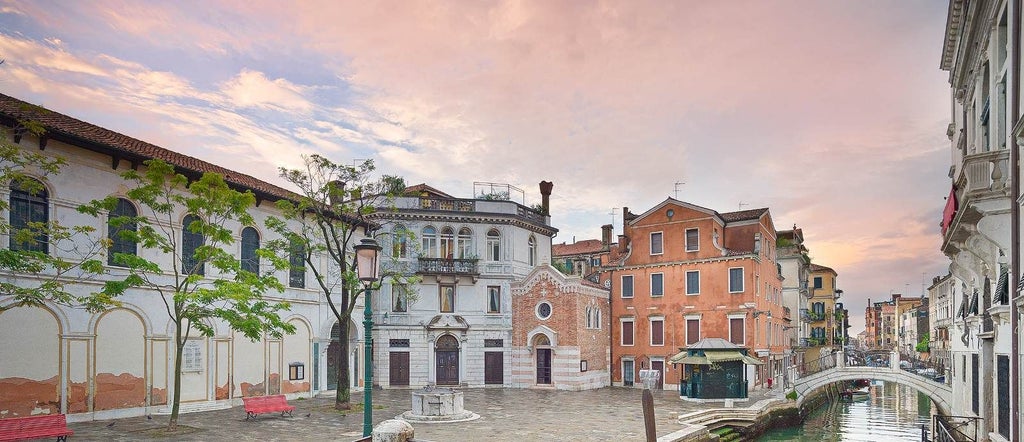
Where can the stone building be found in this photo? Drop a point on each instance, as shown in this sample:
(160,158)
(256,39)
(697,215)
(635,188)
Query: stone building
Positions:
(584,258)
(560,332)
(792,256)
(980,223)
(119,362)
(693,273)
(940,314)
(454,327)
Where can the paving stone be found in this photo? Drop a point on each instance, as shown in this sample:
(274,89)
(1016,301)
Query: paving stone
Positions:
(513,415)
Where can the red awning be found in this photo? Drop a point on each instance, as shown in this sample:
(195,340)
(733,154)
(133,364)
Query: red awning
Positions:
(949,211)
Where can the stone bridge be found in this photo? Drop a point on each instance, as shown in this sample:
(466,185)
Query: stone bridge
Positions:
(940,392)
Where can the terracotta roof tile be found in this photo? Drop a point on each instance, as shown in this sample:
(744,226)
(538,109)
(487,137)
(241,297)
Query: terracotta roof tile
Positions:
(579,247)
(821,268)
(743,215)
(80,133)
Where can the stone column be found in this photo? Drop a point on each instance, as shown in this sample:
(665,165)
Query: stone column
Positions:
(894,360)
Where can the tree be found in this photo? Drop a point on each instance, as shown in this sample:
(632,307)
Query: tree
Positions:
(192,300)
(335,201)
(922,344)
(50,254)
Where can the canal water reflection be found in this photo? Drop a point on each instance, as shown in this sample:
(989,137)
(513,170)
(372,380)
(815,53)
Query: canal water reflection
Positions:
(891,413)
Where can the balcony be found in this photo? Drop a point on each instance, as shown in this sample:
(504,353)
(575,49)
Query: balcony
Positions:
(445,266)
(979,204)
(814,316)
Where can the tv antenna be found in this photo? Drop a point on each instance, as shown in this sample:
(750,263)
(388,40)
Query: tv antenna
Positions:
(612,213)
(675,188)
(741,204)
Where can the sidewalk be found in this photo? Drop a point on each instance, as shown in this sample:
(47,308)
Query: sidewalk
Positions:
(519,415)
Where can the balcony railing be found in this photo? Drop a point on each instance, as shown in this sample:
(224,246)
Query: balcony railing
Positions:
(447,204)
(445,266)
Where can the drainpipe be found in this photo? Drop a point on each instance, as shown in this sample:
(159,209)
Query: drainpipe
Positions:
(1015,83)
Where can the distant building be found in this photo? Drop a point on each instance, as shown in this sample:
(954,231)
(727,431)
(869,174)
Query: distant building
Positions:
(826,323)
(584,258)
(941,309)
(792,256)
(691,273)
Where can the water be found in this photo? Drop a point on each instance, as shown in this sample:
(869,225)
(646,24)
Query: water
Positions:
(892,413)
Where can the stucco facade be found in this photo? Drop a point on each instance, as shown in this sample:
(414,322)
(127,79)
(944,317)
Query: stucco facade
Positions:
(692,273)
(119,362)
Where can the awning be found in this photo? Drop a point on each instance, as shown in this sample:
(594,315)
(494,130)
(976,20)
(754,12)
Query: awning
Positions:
(712,357)
(683,358)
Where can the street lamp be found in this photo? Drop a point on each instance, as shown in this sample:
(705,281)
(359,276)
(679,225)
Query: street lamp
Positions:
(368,271)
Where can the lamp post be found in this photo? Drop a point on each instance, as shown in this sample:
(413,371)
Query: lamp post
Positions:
(367,269)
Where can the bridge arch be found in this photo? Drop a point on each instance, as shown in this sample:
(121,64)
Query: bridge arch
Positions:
(940,393)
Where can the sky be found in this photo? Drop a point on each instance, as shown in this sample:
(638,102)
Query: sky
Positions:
(831,114)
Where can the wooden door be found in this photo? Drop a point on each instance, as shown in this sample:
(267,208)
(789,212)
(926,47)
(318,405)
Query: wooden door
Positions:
(544,366)
(659,366)
(494,367)
(399,368)
(447,355)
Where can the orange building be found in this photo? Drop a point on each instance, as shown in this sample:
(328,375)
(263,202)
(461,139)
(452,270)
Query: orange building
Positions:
(688,273)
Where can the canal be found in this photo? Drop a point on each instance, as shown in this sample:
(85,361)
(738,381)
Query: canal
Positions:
(891,412)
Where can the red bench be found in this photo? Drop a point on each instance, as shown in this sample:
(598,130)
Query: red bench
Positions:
(266,404)
(35,427)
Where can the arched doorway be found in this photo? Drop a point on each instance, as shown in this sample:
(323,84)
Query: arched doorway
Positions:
(543,349)
(333,350)
(446,351)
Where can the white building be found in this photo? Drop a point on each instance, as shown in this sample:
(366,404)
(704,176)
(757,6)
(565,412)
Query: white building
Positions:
(981,52)
(941,309)
(791,255)
(455,326)
(62,359)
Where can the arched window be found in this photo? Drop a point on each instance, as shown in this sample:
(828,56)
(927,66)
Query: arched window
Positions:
(191,239)
(429,242)
(590,318)
(532,258)
(250,243)
(297,265)
(400,242)
(447,243)
(493,245)
(465,243)
(30,203)
(119,220)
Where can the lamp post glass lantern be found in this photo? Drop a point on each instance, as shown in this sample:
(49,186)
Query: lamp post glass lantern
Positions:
(368,272)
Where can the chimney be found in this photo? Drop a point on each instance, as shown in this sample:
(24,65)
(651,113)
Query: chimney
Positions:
(545,196)
(606,235)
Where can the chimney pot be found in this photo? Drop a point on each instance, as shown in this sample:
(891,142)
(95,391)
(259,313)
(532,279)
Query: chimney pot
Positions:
(545,196)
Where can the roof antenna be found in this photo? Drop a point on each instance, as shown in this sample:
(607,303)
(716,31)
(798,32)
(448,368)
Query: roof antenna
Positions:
(612,213)
(741,204)
(675,188)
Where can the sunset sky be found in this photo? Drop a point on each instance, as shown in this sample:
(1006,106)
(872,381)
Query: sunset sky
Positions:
(832,114)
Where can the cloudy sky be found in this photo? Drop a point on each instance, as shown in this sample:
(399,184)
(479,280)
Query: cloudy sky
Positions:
(831,114)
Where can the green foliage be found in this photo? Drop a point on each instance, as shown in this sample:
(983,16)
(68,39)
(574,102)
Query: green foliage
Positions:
(193,301)
(922,344)
(791,395)
(71,252)
(783,242)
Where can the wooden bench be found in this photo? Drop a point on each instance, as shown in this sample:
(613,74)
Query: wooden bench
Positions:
(256,405)
(35,427)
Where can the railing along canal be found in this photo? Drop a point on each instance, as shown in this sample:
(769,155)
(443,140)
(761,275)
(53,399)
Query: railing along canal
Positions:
(955,428)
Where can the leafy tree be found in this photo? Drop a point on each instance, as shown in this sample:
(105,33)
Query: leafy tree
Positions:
(51,254)
(192,301)
(922,344)
(335,202)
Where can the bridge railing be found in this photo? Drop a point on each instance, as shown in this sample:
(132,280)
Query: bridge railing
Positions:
(862,358)
(955,428)
(927,369)
(818,365)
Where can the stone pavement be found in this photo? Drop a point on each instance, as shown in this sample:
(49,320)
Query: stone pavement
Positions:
(520,415)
